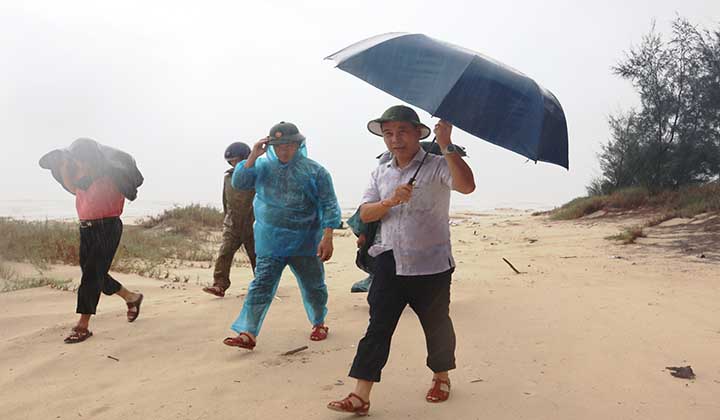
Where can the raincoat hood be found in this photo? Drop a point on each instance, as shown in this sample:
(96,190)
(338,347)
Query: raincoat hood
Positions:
(301,153)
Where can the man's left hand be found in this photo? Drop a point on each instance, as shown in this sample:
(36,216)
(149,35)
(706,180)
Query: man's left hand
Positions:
(443,129)
(325,249)
(361,240)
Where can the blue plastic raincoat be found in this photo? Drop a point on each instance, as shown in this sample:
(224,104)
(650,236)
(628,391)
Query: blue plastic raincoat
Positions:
(293,203)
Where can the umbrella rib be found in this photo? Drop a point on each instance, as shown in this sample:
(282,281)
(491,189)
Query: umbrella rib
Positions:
(460,74)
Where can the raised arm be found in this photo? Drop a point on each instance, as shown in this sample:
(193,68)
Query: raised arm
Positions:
(245,173)
(258,150)
(463,180)
(68,178)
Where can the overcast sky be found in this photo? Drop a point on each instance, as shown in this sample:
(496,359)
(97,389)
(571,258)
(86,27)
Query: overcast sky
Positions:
(174,83)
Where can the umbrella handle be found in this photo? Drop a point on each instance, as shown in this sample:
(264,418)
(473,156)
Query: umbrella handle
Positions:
(412,180)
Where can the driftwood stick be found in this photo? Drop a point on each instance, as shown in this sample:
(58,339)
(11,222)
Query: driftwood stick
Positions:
(113,358)
(511,266)
(293,351)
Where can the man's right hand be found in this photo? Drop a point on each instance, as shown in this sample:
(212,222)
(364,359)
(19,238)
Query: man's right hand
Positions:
(401,195)
(68,173)
(372,212)
(258,150)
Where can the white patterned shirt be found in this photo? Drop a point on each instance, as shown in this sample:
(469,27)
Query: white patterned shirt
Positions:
(418,232)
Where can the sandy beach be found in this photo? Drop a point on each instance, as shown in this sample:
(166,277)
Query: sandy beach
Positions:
(584,332)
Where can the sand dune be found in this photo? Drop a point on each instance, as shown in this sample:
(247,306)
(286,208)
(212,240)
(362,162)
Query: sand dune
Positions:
(584,333)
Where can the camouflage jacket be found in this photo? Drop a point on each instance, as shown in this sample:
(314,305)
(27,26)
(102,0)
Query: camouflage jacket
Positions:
(237,205)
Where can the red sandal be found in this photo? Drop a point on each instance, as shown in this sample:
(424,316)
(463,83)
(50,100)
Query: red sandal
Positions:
(319,333)
(346,405)
(247,343)
(133,314)
(215,291)
(78,335)
(439,392)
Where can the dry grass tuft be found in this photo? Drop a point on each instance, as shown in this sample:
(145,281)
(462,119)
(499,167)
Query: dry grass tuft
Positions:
(686,202)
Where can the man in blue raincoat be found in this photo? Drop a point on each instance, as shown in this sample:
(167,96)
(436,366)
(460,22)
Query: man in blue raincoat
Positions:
(295,213)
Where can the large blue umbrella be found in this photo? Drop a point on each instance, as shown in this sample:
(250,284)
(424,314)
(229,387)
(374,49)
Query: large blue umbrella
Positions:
(473,92)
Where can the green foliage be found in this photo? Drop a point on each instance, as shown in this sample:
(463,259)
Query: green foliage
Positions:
(627,198)
(141,250)
(692,201)
(685,202)
(31,282)
(673,139)
(578,208)
(7,273)
(39,242)
(186,220)
(10,280)
(629,235)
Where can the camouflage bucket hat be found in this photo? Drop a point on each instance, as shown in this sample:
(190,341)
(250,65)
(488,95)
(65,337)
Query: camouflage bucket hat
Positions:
(398,113)
(284,133)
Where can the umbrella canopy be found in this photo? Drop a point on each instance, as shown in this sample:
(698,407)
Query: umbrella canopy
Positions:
(473,92)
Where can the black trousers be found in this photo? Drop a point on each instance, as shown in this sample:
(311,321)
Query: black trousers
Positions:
(428,296)
(99,239)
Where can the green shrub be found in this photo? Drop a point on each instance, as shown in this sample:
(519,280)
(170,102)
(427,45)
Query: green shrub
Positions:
(629,235)
(186,220)
(578,208)
(10,280)
(685,202)
(627,199)
(141,250)
(695,200)
(39,242)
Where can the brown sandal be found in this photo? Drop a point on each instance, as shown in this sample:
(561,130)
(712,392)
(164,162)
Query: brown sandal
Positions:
(439,392)
(215,291)
(132,315)
(78,335)
(249,343)
(319,333)
(346,405)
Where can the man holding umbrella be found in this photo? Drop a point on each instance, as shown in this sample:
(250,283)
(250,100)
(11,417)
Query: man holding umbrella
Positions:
(412,250)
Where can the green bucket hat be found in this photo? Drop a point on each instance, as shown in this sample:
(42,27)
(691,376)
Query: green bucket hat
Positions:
(284,133)
(398,113)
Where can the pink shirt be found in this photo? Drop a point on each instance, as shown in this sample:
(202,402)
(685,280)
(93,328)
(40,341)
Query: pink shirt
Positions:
(99,201)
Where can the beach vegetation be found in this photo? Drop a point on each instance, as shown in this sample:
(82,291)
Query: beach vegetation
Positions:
(175,237)
(672,140)
(11,280)
(629,235)
(686,202)
(186,220)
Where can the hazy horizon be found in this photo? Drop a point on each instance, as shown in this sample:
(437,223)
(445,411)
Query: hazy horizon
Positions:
(173,83)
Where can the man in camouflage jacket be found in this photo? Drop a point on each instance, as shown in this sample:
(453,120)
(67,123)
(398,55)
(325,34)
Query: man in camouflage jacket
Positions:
(237,225)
